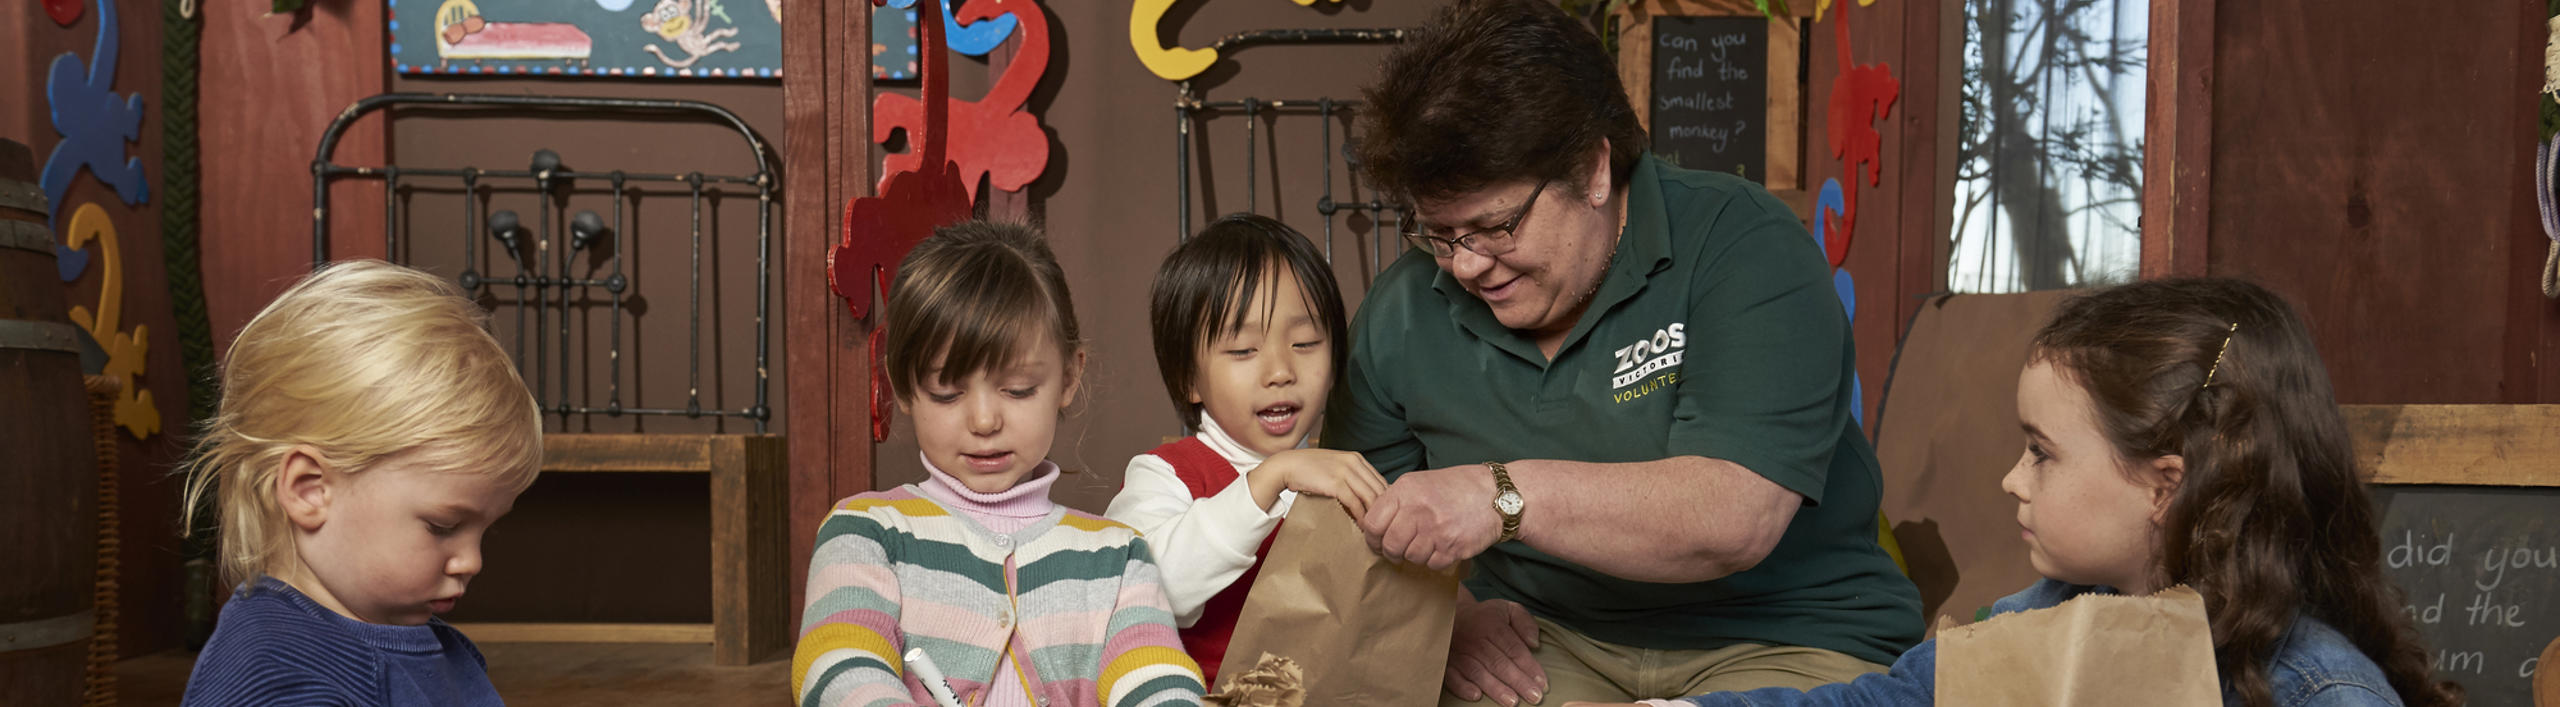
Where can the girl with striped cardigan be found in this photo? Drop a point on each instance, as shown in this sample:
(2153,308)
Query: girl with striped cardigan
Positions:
(1018,600)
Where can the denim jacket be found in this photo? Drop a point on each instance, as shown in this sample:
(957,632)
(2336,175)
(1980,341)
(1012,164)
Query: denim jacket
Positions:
(2314,666)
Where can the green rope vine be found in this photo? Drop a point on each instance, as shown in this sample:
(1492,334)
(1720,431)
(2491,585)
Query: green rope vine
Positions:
(178,244)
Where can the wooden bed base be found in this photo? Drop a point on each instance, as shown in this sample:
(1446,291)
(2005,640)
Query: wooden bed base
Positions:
(750,562)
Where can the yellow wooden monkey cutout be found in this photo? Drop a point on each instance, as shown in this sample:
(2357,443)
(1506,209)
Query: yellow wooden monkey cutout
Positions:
(125,359)
(1173,63)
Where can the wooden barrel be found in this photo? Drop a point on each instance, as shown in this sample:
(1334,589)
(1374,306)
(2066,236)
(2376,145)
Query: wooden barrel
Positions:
(48,462)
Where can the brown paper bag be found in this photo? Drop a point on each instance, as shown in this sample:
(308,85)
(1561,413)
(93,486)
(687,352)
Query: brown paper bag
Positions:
(1364,630)
(2092,651)
(1273,682)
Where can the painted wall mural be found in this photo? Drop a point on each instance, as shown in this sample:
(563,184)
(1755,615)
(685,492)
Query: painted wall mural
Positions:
(894,51)
(670,38)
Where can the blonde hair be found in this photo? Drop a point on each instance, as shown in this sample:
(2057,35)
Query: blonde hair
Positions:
(360,361)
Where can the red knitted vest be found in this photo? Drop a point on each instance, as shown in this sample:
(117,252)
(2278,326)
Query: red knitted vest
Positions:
(1207,473)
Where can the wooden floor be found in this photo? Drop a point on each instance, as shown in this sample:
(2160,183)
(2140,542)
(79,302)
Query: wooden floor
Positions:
(548,675)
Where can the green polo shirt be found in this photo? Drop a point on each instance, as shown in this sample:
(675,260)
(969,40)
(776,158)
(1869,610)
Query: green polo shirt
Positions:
(1717,334)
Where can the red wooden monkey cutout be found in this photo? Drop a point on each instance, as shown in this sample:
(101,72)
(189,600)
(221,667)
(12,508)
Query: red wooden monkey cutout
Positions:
(879,230)
(1860,96)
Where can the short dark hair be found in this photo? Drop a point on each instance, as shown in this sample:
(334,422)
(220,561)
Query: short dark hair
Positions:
(1203,289)
(976,293)
(1493,91)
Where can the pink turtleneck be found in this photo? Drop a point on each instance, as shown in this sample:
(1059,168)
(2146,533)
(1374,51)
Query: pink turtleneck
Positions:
(1002,512)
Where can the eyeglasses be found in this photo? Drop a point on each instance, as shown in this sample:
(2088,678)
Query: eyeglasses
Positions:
(1489,242)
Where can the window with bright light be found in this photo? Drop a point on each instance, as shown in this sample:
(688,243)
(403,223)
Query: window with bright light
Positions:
(2048,188)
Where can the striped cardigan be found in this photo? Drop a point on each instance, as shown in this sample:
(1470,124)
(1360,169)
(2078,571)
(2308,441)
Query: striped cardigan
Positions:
(1073,599)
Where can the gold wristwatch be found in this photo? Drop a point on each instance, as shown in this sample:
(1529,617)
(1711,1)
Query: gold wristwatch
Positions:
(1506,501)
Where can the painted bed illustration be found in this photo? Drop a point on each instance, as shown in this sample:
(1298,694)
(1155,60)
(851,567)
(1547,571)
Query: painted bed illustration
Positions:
(463,35)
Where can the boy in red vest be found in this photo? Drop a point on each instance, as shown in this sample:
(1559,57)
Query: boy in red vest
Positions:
(1246,318)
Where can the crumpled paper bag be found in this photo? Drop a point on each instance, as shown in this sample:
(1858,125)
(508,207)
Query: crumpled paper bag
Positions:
(1273,682)
(2092,651)
(1362,629)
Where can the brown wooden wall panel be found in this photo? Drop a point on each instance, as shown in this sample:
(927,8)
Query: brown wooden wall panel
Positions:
(1932,77)
(30,42)
(269,84)
(1898,251)
(2374,166)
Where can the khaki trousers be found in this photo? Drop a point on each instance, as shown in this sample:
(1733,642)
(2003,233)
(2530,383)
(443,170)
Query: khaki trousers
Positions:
(1580,668)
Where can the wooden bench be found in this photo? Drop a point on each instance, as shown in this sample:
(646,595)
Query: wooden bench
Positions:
(750,562)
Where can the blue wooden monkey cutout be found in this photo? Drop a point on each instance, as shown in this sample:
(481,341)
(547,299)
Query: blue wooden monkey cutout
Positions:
(1847,288)
(1830,200)
(976,39)
(95,124)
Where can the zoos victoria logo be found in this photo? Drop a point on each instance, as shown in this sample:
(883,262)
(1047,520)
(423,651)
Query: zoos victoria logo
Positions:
(1649,355)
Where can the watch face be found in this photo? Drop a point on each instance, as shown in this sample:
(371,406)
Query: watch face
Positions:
(1509,504)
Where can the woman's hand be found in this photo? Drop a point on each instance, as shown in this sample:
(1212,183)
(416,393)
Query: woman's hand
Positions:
(1491,654)
(1436,517)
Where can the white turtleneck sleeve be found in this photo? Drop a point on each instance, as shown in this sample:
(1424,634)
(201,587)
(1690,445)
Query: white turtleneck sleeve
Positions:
(1201,545)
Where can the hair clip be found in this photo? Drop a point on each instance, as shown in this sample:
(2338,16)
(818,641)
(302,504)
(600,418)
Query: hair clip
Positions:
(2217,355)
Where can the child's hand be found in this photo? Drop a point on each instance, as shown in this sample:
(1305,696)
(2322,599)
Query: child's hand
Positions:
(1341,476)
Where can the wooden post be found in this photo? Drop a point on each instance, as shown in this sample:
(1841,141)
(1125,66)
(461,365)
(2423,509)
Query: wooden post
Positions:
(749,589)
(826,97)
(1932,47)
(2177,162)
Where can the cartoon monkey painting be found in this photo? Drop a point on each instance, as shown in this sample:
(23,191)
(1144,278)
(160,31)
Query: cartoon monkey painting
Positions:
(688,24)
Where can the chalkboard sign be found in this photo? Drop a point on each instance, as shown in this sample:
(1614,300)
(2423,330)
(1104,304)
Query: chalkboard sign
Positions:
(2481,566)
(1710,93)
